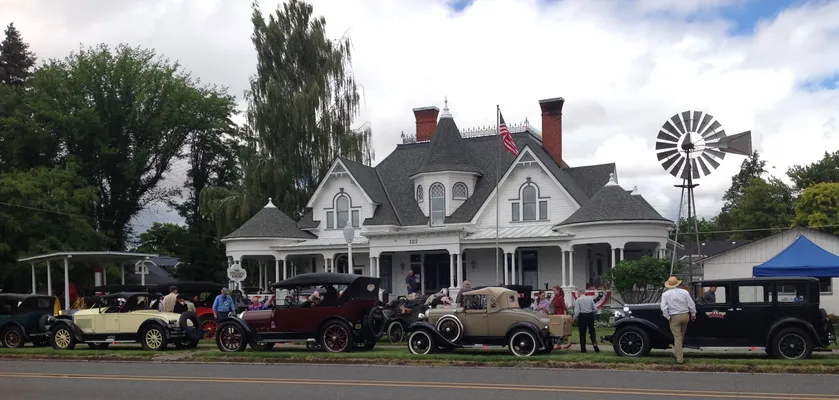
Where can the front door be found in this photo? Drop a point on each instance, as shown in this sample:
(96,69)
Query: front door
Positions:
(475,316)
(756,311)
(715,323)
(436,272)
(530,268)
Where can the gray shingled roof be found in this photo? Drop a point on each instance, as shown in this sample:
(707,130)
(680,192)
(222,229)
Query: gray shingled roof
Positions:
(447,151)
(270,222)
(613,203)
(591,178)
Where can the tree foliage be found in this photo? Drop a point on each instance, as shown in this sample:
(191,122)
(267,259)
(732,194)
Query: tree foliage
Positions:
(124,115)
(824,170)
(640,281)
(16,60)
(164,239)
(766,205)
(301,106)
(706,229)
(818,206)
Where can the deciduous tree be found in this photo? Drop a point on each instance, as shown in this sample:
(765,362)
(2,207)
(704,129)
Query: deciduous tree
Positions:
(765,207)
(818,206)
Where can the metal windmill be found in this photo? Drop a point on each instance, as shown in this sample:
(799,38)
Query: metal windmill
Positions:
(690,145)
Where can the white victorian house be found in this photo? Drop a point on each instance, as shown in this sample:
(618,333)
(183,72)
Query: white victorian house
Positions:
(430,207)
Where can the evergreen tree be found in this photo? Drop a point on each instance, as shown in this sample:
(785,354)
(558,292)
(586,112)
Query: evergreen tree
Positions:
(16,61)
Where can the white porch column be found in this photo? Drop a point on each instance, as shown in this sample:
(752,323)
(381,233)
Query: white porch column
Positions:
(67,304)
(32,265)
(285,268)
(277,269)
(571,267)
(513,271)
(452,276)
(49,279)
(122,273)
(460,259)
(372,269)
(564,277)
(506,268)
(613,256)
(620,250)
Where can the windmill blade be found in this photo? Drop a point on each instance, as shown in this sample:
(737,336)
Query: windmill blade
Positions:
(664,145)
(705,121)
(715,153)
(710,160)
(677,169)
(740,143)
(694,122)
(711,129)
(702,165)
(670,161)
(685,172)
(669,127)
(662,135)
(668,153)
(688,120)
(694,169)
(677,122)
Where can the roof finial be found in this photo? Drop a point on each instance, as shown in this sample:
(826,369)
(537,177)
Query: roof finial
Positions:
(613,180)
(446,113)
(635,190)
(270,204)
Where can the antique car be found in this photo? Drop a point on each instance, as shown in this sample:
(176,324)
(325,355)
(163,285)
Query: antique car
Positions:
(124,318)
(780,314)
(490,316)
(23,318)
(525,293)
(343,320)
(202,295)
(400,313)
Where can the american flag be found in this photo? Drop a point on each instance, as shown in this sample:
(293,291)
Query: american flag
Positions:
(505,136)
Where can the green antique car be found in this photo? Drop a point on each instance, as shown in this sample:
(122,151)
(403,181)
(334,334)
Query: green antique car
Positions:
(23,318)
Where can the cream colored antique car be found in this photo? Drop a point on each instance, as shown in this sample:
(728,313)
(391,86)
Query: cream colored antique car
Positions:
(490,316)
(124,318)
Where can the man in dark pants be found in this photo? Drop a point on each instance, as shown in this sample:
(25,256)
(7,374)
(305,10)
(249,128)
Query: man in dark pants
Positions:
(584,312)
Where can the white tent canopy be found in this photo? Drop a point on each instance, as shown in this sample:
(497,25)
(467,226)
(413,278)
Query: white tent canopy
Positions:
(121,258)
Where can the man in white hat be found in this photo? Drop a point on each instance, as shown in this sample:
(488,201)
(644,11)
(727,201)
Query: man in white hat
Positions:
(678,307)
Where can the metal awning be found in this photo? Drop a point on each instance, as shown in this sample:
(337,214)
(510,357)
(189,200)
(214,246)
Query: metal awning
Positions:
(542,231)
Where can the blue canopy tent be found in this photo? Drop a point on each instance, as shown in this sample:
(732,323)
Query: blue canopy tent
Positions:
(801,258)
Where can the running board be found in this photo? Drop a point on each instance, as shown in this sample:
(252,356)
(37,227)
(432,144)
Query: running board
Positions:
(109,341)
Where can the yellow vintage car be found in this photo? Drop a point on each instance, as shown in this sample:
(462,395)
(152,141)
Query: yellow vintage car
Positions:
(124,318)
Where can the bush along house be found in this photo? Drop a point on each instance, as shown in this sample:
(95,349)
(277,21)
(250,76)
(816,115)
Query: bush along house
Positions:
(430,207)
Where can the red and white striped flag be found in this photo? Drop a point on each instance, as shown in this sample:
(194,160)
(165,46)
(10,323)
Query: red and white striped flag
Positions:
(506,137)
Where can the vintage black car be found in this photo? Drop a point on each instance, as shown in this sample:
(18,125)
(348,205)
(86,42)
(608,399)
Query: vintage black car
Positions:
(780,314)
(23,318)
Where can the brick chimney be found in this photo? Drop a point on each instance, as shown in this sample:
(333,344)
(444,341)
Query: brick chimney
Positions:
(426,122)
(552,127)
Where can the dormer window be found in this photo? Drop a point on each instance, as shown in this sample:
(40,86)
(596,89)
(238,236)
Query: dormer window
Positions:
(460,191)
(419,193)
(529,206)
(437,204)
(341,212)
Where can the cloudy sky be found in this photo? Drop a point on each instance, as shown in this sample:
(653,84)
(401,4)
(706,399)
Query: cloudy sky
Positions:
(769,66)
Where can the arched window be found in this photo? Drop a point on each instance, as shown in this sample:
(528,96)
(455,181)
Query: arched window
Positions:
(460,191)
(419,194)
(529,206)
(341,212)
(437,204)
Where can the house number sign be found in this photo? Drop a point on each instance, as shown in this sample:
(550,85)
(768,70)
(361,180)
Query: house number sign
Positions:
(412,241)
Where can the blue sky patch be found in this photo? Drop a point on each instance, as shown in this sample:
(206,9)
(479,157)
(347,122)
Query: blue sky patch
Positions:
(460,5)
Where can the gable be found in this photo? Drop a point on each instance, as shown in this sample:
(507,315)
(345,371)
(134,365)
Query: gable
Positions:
(337,170)
(764,249)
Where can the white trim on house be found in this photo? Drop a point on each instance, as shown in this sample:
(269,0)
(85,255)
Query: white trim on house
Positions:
(615,222)
(337,161)
(239,239)
(501,182)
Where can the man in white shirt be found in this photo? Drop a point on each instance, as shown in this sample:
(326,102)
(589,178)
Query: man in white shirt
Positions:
(678,307)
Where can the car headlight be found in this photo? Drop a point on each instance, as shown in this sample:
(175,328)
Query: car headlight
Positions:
(619,314)
(421,316)
(241,314)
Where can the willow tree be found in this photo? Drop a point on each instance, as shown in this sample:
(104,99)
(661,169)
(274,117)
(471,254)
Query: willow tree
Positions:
(302,102)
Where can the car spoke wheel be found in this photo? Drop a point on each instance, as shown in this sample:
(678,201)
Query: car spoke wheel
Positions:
(336,338)
(631,343)
(792,346)
(421,342)
(153,338)
(209,326)
(449,329)
(395,332)
(523,344)
(62,339)
(230,338)
(13,337)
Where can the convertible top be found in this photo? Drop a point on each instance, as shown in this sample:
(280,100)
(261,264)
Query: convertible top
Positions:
(124,295)
(318,278)
(22,297)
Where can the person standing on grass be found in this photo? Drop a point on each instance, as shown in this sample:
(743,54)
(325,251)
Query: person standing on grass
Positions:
(678,307)
(171,299)
(223,304)
(584,312)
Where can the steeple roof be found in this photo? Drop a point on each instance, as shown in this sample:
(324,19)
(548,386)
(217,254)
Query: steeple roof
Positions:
(447,150)
(270,222)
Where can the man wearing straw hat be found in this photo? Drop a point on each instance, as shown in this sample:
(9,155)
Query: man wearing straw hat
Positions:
(678,307)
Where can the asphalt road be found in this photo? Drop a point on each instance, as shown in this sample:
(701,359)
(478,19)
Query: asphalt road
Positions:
(23,380)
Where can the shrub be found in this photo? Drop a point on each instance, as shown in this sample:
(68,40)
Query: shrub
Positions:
(640,281)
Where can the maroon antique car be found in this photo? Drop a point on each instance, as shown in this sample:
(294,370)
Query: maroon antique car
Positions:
(348,316)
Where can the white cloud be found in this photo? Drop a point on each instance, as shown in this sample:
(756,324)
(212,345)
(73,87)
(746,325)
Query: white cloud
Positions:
(623,70)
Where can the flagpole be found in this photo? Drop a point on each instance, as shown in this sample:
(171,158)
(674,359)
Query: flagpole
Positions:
(497,190)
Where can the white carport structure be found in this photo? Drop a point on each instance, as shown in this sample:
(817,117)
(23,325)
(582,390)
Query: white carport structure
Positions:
(116,257)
